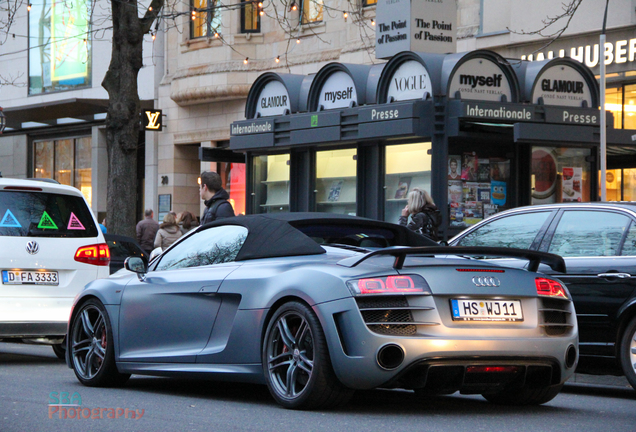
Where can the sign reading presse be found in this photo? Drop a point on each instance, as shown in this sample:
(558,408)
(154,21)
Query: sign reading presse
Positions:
(415,25)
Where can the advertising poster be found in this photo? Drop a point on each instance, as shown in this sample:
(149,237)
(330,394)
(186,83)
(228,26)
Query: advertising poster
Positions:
(483,192)
(473,212)
(483,170)
(470,165)
(403,187)
(571,184)
(453,167)
(470,191)
(455,191)
(498,193)
(457,214)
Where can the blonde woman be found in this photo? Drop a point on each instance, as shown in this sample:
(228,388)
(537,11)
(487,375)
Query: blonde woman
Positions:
(168,232)
(423,214)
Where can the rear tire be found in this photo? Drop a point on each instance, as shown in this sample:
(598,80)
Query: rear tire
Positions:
(628,352)
(524,396)
(296,361)
(60,350)
(92,350)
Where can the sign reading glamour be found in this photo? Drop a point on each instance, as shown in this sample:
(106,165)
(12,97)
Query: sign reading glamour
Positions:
(273,100)
(338,91)
(410,81)
(480,79)
(562,85)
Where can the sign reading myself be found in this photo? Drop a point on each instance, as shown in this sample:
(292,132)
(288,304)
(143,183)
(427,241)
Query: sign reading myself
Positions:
(338,91)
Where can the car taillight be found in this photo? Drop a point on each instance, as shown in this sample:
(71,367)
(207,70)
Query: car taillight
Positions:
(550,288)
(97,254)
(402,284)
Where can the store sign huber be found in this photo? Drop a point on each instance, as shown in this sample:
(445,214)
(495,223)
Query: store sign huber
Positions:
(415,25)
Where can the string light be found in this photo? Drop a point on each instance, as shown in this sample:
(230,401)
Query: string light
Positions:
(194,14)
(150,8)
(298,40)
(294,6)
(277,59)
(345,15)
(247,59)
(154,36)
(216,35)
(260,4)
(372,22)
(29,7)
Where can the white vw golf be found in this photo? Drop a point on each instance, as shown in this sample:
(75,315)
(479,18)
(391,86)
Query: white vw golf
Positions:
(50,247)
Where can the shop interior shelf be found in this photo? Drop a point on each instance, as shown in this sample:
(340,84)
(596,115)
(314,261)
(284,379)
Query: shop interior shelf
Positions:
(336,202)
(275,205)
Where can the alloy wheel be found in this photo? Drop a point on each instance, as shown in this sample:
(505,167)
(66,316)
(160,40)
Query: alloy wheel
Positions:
(290,355)
(89,342)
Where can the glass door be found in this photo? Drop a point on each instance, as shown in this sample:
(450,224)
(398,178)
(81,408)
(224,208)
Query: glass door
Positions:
(336,181)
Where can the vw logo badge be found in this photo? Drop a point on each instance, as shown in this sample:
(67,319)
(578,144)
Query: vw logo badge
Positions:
(486,281)
(32,247)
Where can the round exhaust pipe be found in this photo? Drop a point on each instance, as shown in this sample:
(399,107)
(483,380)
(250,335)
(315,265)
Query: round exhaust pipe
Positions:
(390,356)
(570,356)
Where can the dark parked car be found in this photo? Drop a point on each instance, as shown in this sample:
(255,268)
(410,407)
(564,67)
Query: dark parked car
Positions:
(122,247)
(317,305)
(598,243)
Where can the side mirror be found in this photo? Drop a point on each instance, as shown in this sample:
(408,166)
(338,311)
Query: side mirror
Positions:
(135,265)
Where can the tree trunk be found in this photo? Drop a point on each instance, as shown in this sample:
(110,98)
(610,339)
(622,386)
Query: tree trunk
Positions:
(122,121)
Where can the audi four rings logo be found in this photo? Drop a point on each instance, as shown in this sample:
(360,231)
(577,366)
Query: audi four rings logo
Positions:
(486,281)
(32,247)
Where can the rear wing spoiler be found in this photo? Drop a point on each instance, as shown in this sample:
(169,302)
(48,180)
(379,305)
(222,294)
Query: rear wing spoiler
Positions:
(555,262)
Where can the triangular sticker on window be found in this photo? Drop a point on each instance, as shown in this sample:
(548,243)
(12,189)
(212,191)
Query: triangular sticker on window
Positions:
(9,220)
(46,222)
(74,223)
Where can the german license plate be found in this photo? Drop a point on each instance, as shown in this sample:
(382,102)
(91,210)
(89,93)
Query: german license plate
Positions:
(486,310)
(20,277)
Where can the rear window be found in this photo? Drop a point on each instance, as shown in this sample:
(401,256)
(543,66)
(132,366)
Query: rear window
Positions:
(363,236)
(40,214)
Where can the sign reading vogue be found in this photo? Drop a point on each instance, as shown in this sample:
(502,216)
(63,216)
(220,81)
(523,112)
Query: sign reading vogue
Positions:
(480,79)
(562,85)
(421,26)
(410,81)
(338,91)
(273,100)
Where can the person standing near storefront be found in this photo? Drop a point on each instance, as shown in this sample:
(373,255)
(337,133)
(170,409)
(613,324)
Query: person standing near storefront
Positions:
(146,231)
(425,216)
(215,198)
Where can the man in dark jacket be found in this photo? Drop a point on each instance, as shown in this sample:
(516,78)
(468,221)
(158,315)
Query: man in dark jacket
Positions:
(147,231)
(215,198)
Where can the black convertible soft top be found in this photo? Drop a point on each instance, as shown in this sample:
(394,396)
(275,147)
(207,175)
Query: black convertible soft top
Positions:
(302,233)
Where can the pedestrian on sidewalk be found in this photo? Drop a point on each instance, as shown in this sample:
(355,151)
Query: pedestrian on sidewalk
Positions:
(147,231)
(215,198)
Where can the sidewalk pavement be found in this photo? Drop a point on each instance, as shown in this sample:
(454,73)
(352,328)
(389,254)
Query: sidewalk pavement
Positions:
(601,380)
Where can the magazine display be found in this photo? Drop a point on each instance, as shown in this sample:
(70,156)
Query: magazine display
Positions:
(334,192)
(480,190)
(403,187)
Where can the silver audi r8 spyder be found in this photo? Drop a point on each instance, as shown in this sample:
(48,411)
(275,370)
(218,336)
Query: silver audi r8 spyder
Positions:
(316,306)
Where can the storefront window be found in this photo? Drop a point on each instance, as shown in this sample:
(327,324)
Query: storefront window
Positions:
(614,103)
(560,175)
(68,161)
(59,46)
(206,20)
(408,166)
(271,183)
(336,181)
(630,107)
(478,186)
(311,11)
(613,184)
(233,181)
(369,2)
(250,17)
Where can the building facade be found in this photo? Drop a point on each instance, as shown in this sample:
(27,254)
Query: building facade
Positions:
(52,63)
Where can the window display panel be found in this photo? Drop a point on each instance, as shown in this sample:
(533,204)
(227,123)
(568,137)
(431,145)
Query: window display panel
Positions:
(560,174)
(614,103)
(233,181)
(613,182)
(630,107)
(82,172)
(478,185)
(64,161)
(271,183)
(336,181)
(59,45)
(43,159)
(408,166)
(629,185)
